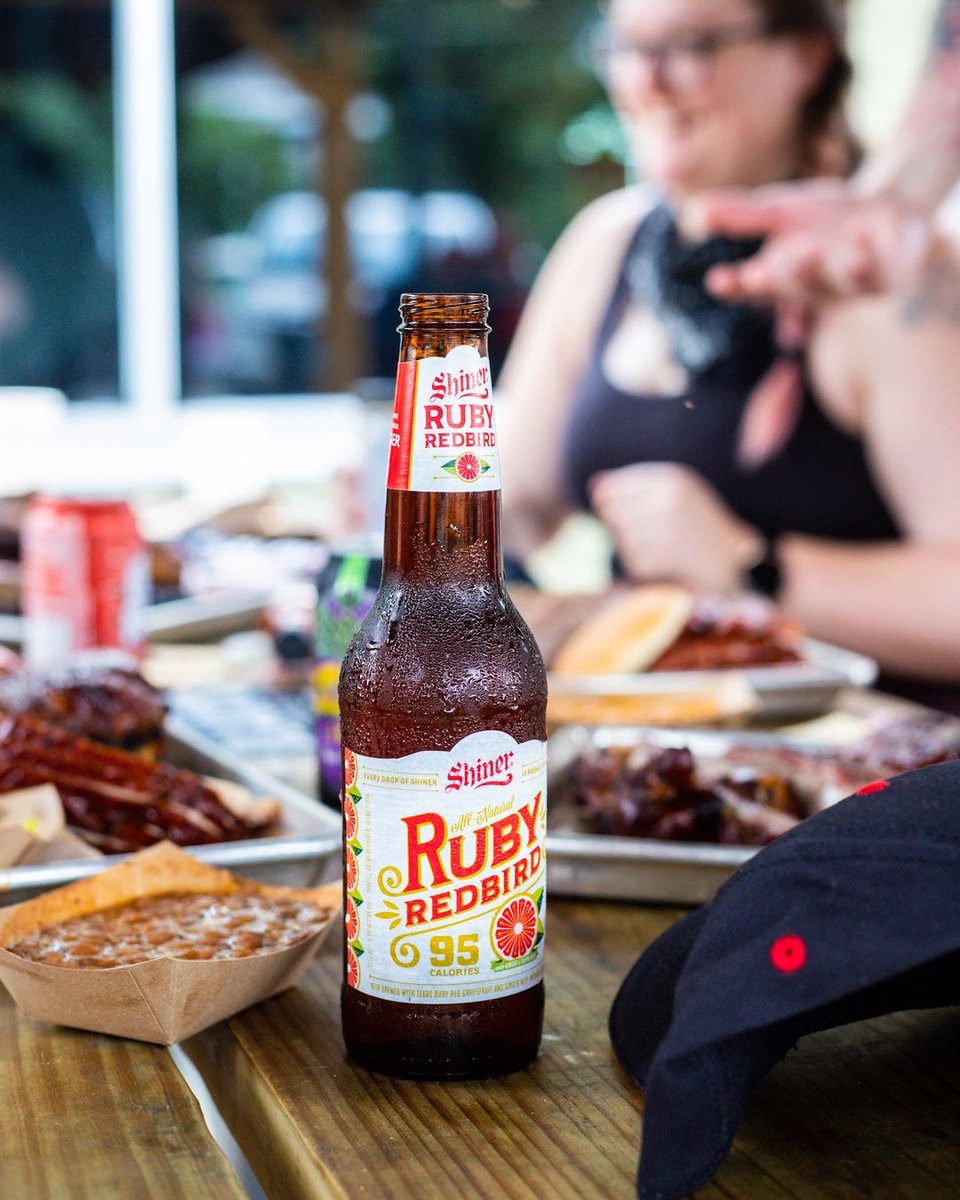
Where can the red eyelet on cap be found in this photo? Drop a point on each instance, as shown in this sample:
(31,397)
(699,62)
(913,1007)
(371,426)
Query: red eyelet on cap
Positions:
(869,788)
(788,953)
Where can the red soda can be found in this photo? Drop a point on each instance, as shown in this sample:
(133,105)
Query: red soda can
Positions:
(85,578)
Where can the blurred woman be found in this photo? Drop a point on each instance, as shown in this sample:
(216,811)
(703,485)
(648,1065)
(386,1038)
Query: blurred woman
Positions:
(713,451)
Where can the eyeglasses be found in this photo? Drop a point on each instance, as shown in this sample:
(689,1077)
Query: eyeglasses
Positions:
(683,62)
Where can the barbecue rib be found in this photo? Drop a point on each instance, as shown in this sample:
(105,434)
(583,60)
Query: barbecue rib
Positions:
(115,800)
(107,704)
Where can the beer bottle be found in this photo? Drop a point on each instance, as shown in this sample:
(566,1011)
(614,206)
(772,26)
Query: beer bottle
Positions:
(442,699)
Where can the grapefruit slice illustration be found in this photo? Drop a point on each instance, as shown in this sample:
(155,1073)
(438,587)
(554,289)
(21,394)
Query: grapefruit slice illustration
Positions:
(351,919)
(349,818)
(515,927)
(468,467)
(349,769)
(351,869)
(353,968)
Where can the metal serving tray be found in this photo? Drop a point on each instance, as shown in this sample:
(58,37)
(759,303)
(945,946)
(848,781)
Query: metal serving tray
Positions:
(195,618)
(189,618)
(304,853)
(625,868)
(784,690)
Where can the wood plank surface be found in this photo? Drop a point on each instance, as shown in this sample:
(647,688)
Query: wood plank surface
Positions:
(89,1117)
(313,1125)
(866,1111)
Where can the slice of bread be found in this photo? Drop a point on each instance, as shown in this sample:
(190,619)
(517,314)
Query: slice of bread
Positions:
(630,631)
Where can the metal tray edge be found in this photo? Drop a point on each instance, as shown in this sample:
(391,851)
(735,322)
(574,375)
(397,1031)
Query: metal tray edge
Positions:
(826,666)
(321,844)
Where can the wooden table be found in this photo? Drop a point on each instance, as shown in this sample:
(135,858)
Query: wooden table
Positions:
(87,1116)
(866,1111)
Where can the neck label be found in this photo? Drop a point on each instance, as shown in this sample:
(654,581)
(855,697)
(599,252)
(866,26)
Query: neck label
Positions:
(443,437)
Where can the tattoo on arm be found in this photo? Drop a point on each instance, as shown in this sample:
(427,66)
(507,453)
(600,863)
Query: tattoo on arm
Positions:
(936,296)
(946,29)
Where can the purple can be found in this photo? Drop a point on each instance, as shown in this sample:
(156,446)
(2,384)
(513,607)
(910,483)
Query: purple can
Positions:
(345,591)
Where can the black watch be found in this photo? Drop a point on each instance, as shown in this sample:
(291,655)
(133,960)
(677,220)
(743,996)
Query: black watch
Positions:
(766,574)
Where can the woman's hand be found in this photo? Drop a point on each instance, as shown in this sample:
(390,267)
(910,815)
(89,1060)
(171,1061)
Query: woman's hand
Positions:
(668,523)
(825,241)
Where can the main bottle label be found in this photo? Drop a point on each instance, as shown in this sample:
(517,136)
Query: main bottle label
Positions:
(443,437)
(445,871)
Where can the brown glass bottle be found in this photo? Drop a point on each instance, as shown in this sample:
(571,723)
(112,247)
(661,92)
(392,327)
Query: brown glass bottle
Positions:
(442,655)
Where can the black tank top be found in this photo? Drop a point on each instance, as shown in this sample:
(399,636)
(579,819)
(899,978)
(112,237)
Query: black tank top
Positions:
(818,484)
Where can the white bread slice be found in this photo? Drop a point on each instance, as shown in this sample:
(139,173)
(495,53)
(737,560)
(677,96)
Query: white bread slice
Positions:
(627,634)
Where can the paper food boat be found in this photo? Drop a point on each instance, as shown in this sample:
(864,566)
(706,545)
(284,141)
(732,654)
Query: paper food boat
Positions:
(164,1000)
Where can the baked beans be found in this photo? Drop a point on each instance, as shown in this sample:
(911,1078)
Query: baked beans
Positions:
(183,925)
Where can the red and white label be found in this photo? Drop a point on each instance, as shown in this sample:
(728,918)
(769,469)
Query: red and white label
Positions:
(444,438)
(445,871)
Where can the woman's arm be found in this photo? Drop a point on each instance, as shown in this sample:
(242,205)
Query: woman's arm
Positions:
(899,602)
(920,163)
(896,603)
(548,354)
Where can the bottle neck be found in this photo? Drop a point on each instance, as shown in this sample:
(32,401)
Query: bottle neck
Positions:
(444,536)
(443,426)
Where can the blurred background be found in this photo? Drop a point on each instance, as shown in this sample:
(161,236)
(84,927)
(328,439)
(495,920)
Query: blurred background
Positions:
(210,208)
(224,198)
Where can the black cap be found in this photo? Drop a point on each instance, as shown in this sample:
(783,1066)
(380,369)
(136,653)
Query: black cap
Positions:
(854,913)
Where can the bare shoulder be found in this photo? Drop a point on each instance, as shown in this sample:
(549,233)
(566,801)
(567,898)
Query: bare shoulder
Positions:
(586,258)
(866,352)
(927,313)
(575,283)
(606,225)
(621,208)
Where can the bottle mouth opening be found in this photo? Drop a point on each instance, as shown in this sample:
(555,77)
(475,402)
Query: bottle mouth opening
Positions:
(443,308)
